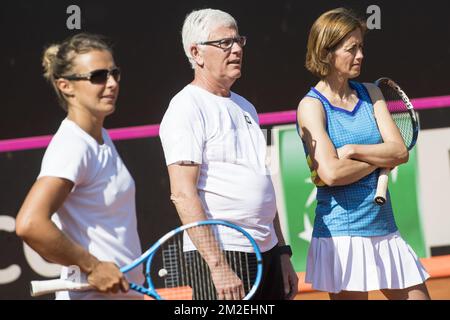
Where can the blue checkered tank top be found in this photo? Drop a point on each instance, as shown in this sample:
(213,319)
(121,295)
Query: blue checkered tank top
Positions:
(350,210)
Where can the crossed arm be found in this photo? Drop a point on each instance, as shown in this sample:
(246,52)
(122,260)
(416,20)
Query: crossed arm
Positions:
(349,163)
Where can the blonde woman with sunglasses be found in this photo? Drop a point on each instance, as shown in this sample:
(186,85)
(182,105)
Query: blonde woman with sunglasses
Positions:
(83,182)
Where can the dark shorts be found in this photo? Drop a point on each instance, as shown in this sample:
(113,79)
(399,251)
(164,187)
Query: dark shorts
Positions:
(244,265)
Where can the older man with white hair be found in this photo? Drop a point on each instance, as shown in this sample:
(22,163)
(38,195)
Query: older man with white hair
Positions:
(215,152)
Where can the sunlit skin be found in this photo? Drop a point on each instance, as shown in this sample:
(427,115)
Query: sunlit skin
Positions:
(217,69)
(89,103)
(346,61)
(348,56)
(350,163)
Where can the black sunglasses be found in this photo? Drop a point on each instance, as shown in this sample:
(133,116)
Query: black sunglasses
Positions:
(100,76)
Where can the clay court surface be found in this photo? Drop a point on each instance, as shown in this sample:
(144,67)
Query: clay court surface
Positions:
(438,284)
(439,289)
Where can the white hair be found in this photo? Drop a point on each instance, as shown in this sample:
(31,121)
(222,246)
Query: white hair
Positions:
(199,24)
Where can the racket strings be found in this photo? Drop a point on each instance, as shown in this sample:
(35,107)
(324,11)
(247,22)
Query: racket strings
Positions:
(171,266)
(180,274)
(403,115)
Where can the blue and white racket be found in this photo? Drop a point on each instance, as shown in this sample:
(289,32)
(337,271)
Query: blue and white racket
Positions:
(223,256)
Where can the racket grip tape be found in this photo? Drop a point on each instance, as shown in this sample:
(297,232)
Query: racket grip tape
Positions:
(39,288)
(380,195)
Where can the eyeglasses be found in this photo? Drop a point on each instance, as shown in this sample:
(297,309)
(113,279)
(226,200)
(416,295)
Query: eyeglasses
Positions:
(100,76)
(226,43)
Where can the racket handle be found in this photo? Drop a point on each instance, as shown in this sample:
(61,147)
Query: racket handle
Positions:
(39,288)
(380,195)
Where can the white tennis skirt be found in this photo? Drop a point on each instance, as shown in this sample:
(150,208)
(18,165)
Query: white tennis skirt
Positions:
(363,264)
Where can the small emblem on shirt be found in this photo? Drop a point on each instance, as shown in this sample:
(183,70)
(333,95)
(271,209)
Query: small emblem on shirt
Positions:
(247,118)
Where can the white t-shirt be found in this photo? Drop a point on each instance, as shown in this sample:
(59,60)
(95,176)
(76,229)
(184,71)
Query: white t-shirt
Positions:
(222,134)
(100,212)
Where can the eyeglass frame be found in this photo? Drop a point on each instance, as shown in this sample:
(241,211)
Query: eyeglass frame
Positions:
(216,43)
(88,76)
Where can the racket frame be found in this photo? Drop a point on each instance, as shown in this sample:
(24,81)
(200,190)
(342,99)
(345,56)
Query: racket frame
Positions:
(148,256)
(382,184)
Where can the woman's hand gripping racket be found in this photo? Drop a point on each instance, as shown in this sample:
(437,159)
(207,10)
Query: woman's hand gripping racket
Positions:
(405,118)
(206,268)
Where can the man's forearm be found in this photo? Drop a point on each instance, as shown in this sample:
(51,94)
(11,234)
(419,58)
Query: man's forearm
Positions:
(189,207)
(278,231)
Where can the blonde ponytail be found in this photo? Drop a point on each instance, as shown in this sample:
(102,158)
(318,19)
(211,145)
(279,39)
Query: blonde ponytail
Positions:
(57,59)
(48,61)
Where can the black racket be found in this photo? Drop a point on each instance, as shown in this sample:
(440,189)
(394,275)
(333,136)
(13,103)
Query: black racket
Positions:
(405,118)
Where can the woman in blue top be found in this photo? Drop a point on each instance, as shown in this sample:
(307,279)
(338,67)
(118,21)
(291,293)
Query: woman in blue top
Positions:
(348,135)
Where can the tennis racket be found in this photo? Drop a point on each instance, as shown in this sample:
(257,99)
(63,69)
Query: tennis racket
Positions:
(405,118)
(178,268)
